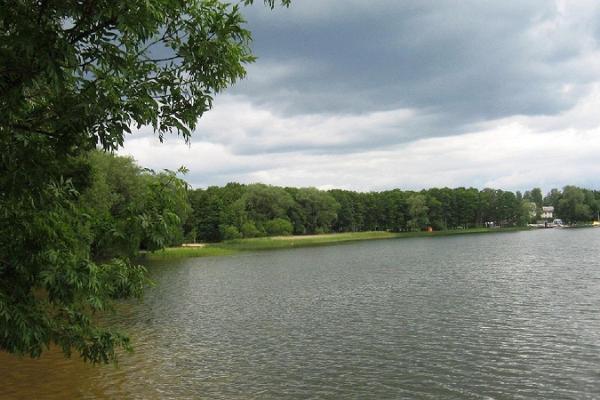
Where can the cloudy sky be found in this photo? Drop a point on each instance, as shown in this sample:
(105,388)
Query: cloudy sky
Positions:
(372,95)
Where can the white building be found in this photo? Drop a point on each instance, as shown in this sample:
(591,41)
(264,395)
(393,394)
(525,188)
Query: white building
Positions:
(548,212)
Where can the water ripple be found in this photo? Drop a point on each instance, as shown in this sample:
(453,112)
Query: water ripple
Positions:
(507,316)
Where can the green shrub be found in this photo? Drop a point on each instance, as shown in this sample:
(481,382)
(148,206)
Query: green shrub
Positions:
(230,232)
(249,230)
(279,227)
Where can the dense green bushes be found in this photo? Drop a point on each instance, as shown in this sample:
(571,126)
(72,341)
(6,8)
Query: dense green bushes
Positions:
(128,208)
(279,227)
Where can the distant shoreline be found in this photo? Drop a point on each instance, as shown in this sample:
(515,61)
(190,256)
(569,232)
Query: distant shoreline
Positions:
(230,247)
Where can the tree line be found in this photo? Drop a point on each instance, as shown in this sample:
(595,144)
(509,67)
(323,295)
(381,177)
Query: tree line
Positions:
(126,208)
(243,211)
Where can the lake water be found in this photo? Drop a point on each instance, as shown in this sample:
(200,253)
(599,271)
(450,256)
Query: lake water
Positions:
(496,316)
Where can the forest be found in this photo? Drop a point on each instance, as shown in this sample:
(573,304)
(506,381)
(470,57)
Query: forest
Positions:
(129,208)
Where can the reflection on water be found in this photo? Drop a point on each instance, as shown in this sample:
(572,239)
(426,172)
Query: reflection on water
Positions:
(499,316)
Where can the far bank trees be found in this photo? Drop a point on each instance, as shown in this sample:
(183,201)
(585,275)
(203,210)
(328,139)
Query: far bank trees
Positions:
(238,211)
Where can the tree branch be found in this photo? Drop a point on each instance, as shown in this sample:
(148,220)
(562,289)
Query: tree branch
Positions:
(32,129)
(94,29)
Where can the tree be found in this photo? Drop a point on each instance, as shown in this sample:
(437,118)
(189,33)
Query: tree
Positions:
(552,198)
(112,201)
(417,210)
(509,208)
(129,208)
(207,207)
(279,227)
(535,195)
(529,212)
(468,206)
(392,210)
(442,205)
(74,76)
(571,207)
(488,200)
(249,230)
(435,213)
(317,209)
(166,206)
(348,218)
(230,232)
(592,202)
(264,202)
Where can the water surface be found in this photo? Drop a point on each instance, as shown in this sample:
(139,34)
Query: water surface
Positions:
(496,316)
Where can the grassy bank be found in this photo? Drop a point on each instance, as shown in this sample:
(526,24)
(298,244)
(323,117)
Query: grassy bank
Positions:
(284,242)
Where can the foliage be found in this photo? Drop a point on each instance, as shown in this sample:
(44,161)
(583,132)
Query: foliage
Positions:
(263,202)
(206,216)
(249,230)
(50,289)
(417,210)
(257,209)
(165,208)
(229,232)
(571,206)
(114,201)
(74,76)
(535,196)
(313,211)
(279,227)
(316,209)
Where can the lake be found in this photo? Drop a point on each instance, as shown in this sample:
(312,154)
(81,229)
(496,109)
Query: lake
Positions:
(492,316)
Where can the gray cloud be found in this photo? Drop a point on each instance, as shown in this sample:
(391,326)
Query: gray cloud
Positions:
(471,60)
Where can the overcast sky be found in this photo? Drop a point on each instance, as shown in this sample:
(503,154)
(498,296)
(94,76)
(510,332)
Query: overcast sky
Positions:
(412,94)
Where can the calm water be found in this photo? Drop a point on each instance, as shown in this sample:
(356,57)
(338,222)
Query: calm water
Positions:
(498,316)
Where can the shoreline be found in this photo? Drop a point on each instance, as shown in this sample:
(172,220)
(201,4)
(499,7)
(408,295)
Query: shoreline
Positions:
(236,246)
